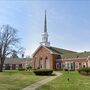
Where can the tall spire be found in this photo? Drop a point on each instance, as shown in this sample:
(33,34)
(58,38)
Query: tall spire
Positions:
(45,34)
(45,23)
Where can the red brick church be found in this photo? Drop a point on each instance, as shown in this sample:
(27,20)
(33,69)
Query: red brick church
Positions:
(48,57)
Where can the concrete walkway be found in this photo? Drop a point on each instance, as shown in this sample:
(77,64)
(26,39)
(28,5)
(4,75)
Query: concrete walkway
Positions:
(42,82)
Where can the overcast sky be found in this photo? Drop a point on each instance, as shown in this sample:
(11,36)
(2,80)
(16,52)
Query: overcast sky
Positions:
(68,22)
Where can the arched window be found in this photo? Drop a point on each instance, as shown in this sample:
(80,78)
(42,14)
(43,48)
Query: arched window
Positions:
(40,63)
(45,62)
(58,57)
(46,58)
(40,58)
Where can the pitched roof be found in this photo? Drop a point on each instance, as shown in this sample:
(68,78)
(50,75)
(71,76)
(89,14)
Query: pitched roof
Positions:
(76,55)
(16,60)
(68,54)
(60,51)
(65,54)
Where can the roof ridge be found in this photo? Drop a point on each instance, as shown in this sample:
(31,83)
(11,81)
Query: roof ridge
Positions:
(64,49)
(59,51)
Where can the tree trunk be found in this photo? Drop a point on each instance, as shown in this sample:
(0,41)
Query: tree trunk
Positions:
(1,68)
(1,65)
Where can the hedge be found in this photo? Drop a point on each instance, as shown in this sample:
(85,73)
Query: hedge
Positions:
(66,69)
(85,71)
(21,69)
(43,71)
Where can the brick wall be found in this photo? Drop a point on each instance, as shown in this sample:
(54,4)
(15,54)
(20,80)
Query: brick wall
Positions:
(43,55)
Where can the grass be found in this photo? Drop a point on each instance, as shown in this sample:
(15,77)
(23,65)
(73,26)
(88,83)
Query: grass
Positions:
(76,82)
(16,80)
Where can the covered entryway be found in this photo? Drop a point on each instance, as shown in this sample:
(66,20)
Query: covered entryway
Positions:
(13,66)
(58,63)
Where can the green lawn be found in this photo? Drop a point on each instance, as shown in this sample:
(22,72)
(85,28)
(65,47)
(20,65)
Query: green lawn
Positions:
(16,80)
(76,82)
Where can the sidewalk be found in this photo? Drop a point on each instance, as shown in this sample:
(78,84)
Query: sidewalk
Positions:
(42,82)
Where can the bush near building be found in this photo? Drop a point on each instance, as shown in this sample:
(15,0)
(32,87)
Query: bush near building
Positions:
(84,71)
(43,71)
(21,69)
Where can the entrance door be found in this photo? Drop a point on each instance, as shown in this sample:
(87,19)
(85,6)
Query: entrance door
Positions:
(58,63)
(13,66)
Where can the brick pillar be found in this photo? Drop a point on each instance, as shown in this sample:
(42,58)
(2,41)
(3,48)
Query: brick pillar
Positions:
(53,58)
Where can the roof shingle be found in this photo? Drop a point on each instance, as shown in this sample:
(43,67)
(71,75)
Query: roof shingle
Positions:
(68,54)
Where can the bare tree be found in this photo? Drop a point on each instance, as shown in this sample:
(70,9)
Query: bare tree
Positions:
(14,54)
(17,53)
(21,52)
(8,40)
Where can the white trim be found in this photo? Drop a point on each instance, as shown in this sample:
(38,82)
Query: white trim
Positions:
(36,50)
(44,47)
(48,50)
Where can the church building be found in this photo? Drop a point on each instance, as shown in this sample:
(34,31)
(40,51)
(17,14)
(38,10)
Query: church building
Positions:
(48,57)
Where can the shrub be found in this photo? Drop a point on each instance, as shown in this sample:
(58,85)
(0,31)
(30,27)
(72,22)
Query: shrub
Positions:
(34,69)
(43,71)
(66,69)
(21,69)
(29,67)
(84,70)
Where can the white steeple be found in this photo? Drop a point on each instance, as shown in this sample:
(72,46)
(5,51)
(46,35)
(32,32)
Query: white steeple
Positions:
(45,34)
